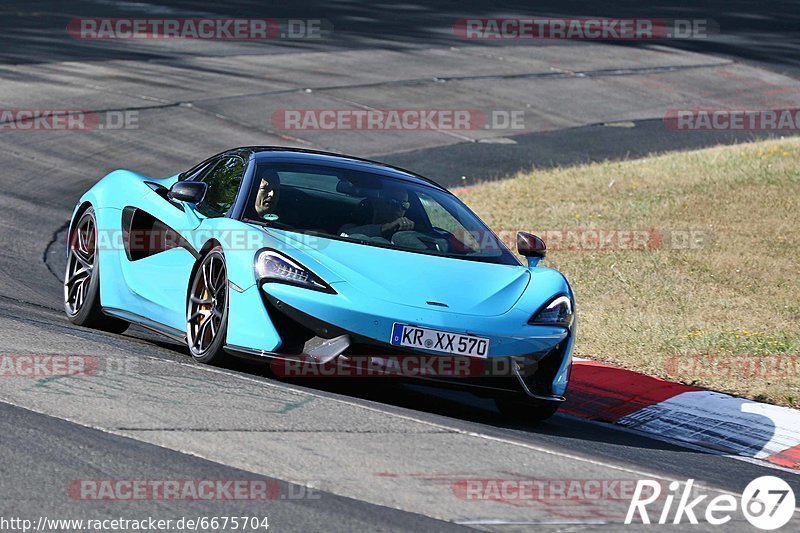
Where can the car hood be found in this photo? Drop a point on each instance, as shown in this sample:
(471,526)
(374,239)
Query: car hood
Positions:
(414,279)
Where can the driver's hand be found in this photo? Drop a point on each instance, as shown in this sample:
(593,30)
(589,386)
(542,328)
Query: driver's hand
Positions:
(404,224)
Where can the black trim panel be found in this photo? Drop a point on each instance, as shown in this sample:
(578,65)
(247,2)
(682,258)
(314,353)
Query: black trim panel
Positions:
(239,206)
(163,192)
(149,235)
(158,327)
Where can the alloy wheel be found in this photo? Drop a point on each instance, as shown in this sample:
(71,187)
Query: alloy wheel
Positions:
(207,303)
(80,264)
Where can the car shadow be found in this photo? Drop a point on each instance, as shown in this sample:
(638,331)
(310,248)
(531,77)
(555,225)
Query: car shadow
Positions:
(745,432)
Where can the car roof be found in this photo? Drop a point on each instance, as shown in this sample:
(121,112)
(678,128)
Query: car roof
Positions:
(300,155)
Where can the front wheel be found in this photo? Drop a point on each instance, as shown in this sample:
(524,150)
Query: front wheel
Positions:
(207,310)
(526,410)
(82,278)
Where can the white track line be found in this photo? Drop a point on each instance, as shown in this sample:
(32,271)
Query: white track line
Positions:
(268,383)
(563,455)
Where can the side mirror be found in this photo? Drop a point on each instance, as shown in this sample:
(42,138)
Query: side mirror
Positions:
(191,192)
(531,246)
(345,187)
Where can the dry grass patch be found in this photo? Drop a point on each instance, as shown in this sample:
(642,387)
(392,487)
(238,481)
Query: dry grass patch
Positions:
(733,294)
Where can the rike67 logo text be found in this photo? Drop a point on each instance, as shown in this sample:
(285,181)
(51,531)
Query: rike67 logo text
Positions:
(767,502)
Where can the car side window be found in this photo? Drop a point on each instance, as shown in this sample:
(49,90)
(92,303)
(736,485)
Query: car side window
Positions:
(193,173)
(223,181)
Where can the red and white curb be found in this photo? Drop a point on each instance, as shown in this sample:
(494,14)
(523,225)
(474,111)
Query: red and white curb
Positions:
(683,413)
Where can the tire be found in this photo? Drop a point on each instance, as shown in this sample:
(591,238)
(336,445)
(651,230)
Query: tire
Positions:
(82,279)
(207,310)
(525,411)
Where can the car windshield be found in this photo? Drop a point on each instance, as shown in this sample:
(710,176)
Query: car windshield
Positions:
(370,209)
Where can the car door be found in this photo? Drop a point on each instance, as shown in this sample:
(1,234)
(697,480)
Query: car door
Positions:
(166,243)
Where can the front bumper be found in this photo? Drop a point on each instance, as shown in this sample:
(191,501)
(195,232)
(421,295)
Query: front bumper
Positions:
(538,357)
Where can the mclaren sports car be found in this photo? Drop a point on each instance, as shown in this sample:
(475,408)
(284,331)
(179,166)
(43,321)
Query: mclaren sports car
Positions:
(287,255)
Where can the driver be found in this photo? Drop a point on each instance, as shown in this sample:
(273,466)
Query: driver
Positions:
(388,217)
(269,191)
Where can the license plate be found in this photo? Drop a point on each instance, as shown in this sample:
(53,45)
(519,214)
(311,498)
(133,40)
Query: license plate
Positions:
(440,341)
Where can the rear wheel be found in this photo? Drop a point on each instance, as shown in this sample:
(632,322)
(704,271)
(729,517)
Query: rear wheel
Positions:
(82,279)
(207,310)
(525,410)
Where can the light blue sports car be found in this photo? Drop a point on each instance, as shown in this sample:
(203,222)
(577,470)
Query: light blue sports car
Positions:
(293,255)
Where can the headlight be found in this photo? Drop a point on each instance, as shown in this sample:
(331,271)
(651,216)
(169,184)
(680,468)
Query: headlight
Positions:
(272,266)
(558,312)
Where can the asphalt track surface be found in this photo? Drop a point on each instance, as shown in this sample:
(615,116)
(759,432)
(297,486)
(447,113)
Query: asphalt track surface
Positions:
(379,457)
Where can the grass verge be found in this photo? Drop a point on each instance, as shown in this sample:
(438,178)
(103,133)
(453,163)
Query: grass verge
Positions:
(697,278)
